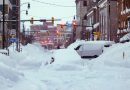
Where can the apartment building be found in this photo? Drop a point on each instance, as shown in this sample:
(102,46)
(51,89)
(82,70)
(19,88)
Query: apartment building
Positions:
(81,10)
(123,17)
(7,16)
(0,30)
(108,19)
(92,19)
(8,12)
(16,15)
(98,21)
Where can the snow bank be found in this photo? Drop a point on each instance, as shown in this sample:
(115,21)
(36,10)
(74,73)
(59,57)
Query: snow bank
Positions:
(66,59)
(12,75)
(32,55)
(115,56)
(9,76)
(63,55)
(110,71)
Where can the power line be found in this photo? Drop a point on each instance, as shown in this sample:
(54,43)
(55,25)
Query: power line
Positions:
(67,17)
(51,4)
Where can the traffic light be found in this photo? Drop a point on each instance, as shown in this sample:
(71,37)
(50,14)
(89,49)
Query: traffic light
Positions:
(26,12)
(28,5)
(52,19)
(31,21)
(74,24)
(57,33)
(62,26)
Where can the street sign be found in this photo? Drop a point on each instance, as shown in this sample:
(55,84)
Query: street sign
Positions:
(68,24)
(12,40)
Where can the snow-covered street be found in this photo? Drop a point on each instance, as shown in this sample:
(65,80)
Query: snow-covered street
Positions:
(31,69)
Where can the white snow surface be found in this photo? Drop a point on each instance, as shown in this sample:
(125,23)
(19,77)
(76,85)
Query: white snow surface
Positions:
(31,69)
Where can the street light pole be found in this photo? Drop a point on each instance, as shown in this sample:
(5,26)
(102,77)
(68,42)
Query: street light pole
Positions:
(92,33)
(82,36)
(18,29)
(3,36)
(23,29)
(74,23)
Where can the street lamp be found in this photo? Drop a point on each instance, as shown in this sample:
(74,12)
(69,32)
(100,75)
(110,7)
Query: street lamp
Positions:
(92,32)
(18,23)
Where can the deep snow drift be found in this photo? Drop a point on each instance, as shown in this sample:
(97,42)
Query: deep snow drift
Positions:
(31,69)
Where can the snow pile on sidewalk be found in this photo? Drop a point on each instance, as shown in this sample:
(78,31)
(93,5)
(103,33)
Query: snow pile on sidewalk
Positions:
(12,76)
(8,76)
(117,55)
(32,56)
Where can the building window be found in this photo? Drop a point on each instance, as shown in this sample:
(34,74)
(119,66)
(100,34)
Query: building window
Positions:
(129,24)
(6,8)
(85,17)
(84,3)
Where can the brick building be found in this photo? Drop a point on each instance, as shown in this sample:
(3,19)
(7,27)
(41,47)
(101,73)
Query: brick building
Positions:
(92,19)
(43,33)
(7,25)
(98,21)
(108,19)
(81,10)
(123,17)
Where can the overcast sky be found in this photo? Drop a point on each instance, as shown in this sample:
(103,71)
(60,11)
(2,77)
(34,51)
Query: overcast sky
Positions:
(45,9)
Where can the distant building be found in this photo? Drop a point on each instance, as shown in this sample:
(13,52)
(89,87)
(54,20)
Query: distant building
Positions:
(44,33)
(64,35)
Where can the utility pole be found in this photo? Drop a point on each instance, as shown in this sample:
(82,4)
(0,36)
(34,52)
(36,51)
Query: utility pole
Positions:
(3,36)
(109,11)
(23,37)
(18,28)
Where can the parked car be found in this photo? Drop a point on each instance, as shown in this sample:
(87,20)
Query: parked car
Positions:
(92,48)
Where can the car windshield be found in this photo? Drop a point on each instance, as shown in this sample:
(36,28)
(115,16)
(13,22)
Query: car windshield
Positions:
(77,48)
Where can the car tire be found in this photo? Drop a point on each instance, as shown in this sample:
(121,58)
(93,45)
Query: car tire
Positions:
(95,56)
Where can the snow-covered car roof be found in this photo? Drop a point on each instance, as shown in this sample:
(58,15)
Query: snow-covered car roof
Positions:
(125,37)
(101,42)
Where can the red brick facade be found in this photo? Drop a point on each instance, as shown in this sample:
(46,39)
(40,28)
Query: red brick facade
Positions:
(123,17)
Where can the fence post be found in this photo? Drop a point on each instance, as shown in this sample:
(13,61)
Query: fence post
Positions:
(123,55)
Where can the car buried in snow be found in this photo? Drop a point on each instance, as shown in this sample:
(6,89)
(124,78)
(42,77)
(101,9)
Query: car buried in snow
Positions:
(92,49)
